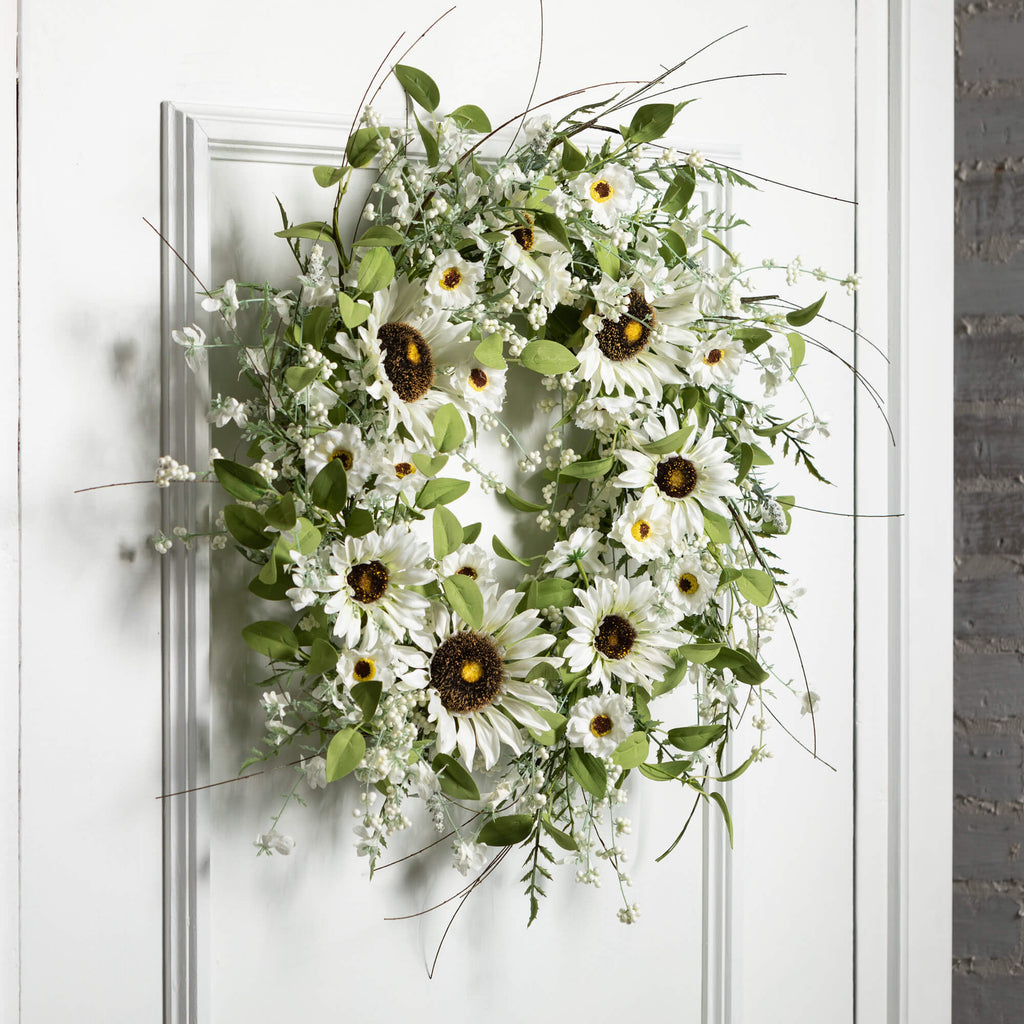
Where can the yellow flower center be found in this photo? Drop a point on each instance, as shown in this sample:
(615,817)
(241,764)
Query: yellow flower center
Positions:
(451,279)
(601,191)
(478,379)
(364,669)
(633,331)
(343,456)
(641,530)
(688,583)
(471,671)
(404,469)
(600,725)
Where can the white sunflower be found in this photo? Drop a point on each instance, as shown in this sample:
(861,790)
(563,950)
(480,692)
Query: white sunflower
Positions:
(686,586)
(344,443)
(644,529)
(407,347)
(642,349)
(608,194)
(620,634)
(453,280)
(470,560)
(477,680)
(716,360)
(696,475)
(599,724)
(370,580)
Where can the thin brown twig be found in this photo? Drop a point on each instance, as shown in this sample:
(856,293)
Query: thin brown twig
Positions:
(536,79)
(181,259)
(100,487)
(224,782)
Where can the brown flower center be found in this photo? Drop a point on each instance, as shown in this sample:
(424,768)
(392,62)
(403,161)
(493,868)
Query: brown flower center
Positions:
(368,580)
(615,637)
(628,336)
(404,469)
(408,361)
(687,583)
(343,456)
(714,356)
(467,570)
(467,672)
(676,477)
(641,530)
(524,236)
(600,725)
(478,380)
(601,191)
(451,279)
(364,669)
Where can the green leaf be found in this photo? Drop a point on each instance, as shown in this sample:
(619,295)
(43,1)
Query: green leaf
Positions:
(419,85)
(447,532)
(281,515)
(588,470)
(746,461)
(548,358)
(330,487)
(247,526)
(650,122)
(563,839)
(470,533)
(380,234)
(802,317)
(273,639)
(724,808)
(506,830)
(463,594)
(449,428)
(573,159)
(352,313)
(716,241)
(553,226)
(376,271)
(695,737)
(314,229)
(344,753)
(314,326)
(268,573)
(455,781)
(471,116)
(429,143)
(588,771)
(489,352)
(717,527)
(366,694)
(632,751)
(665,771)
(305,538)
(427,466)
(520,504)
(672,245)
(358,522)
(680,192)
(503,552)
(362,147)
(673,442)
(323,657)
(556,722)
(552,591)
(743,665)
(737,772)
(751,337)
(699,654)
(441,491)
(672,678)
(797,350)
(756,586)
(240,481)
(325,177)
(607,259)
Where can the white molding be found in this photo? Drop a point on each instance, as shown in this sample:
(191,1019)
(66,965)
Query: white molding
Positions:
(904,689)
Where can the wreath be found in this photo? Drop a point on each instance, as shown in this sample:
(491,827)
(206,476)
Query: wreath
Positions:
(508,686)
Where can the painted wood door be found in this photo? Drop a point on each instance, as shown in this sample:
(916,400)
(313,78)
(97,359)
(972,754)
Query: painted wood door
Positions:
(766,933)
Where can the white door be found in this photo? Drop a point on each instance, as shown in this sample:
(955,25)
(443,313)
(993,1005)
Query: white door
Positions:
(109,929)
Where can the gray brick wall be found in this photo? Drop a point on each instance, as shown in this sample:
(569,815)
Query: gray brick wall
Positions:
(988,856)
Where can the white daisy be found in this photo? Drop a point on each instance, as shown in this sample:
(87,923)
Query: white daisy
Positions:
(619,634)
(452,282)
(481,387)
(345,444)
(695,476)
(716,360)
(644,528)
(477,680)
(470,560)
(644,348)
(582,551)
(407,345)
(367,665)
(396,472)
(599,724)
(686,586)
(608,194)
(370,578)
